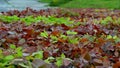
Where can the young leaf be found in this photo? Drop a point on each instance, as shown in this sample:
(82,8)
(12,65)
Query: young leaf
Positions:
(19,52)
(73,40)
(54,38)
(62,55)
(59,61)
(109,37)
(12,46)
(38,54)
(44,34)
(9,58)
(71,33)
(63,36)
(1,54)
(49,59)
(23,65)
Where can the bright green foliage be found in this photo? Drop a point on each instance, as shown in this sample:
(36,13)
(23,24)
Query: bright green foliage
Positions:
(1,55)
(71,33)
(44,34)
(6,60)
(77,24)
(28,20)
(50,20)
(115,38)
(12,46)
(19,52)
(38,55)
(59,60)
(9,58)
(109,37)
(54,38)
(53,20)
(49,59)
(107,20)
(73,40)
(63,36)
(8,19)
(16,52)
(116,21)
(62,55)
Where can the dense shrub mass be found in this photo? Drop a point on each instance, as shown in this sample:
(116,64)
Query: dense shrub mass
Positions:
(60,38)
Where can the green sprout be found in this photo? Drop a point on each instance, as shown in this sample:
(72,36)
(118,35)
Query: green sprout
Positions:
(63,36)
(44,34)
(38,55)
(54,38)
(115,38)
(59,60)
(12,46)
(73,40)
(71,33)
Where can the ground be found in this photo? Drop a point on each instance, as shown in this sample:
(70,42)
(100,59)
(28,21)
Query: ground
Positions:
(60,38)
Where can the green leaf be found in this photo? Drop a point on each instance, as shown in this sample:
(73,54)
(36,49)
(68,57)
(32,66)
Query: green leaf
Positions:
(117,40)
(3,64)
(104,22)
(27,23)
(71,33)
(44,34)
(49,59)
(109,37)
(18,49)
(63,36)
(115,37)
(54,38)
(62,55)
(12,46)
(1,54)
(19,54)
(59,61)
(1,51)
(9,58)
(73,40)
(38,54)
(77,24)
(23,65)
(108,18)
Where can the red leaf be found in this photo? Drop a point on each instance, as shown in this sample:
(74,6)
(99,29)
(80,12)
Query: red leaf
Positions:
(116,65)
